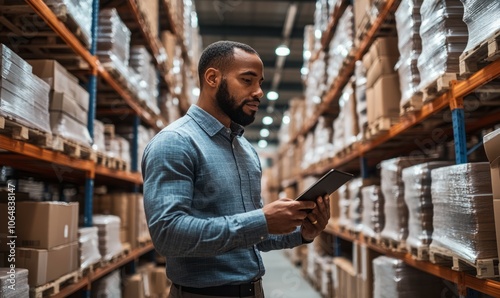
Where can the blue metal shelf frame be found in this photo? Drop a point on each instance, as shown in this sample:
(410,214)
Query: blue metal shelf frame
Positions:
(458,117)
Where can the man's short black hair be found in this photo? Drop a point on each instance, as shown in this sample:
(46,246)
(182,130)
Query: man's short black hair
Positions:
(219,55)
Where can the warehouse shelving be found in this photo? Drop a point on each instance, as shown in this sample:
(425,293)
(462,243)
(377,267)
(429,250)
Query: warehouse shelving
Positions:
(398,139)
(31,158)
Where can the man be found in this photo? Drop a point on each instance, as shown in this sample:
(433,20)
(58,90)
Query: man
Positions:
(202,186)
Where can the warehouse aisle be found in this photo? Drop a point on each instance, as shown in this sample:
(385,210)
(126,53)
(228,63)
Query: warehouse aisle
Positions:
(283,279)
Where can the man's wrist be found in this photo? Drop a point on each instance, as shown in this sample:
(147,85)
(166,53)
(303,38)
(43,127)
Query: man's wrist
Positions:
(304,241)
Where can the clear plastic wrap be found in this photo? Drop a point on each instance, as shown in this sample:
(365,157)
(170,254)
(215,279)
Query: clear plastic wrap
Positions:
(408,23)
(23,96)
(344,203)
(463,218)
(141,63)
(315,85)
(323,133)
(444,37)
(80,11)
(393,278)
(113,42)
(68,128)
(21,287)
(360,93)
(417,196)
(124,151)
(88,249)
(372,218)
(482,19)
(340,45)
(110,286)
(392,185)
(99,144)
(109,235)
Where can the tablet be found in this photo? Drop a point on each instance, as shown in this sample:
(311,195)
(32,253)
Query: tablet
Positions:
(327,184)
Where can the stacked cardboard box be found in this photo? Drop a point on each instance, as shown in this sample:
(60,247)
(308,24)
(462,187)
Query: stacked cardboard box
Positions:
(323,142)
(99,143)
(109,235)
(141,63)
(150,10)
(88,247)
(463,212)
(150,281)
(48,236)
(81,13)
(69,102)
(362,261)
(14,283)
(362,12)
(481,18)
(315,85)
(345,131)
(382,82)
(491,145)
(360,95)
(344,278)
(356,202)
(23,96)
(373,217)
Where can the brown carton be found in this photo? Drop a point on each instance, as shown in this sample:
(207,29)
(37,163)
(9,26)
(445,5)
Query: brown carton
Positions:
(491,143)
(384,46)
(44,225)
(61,102)
(381,65)
(47,265)
(387,95)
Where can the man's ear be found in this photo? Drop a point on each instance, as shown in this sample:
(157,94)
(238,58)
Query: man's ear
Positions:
(212,77)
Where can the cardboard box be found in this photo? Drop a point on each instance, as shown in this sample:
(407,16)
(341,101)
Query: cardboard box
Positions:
(45,225)
(47,265)
(61,102)
(134,287)
(361,9)
(384,46)
(382,65)
(370,104)
(386,96)
(491,145)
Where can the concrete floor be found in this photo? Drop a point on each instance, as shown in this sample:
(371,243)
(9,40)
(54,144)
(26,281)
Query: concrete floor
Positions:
(283,279)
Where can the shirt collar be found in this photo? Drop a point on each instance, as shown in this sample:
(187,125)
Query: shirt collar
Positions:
(211,125)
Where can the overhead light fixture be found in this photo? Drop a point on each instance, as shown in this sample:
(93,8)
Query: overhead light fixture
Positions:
(272,95)
(264,132)
(267,120)
(262,143)
(282,50)
(196,91)
(286,119)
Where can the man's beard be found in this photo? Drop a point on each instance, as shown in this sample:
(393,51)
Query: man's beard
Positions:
(228,105)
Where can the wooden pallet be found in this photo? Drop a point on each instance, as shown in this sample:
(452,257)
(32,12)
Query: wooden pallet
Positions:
(374,240)
(393,245)
(379,126)
(72,148)
(438,87)
(89,270)
(411,105)
(54,287)
(10,127)
(482,268)
(387,28)
(419,253)
(126,248)
(481,55)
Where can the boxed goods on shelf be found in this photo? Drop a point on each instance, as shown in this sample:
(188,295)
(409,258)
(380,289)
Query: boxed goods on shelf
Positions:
(444,37)
(396,212)
(361,13)
(344,204)
(372,217)
(417,196)
(356,203)
(109,235)
(315,85)
(345,131)
(360,95)
(81,13)
(344,278)
(463,218)
(64,260)
(23,96)
(393,278)
(88,247)
(149,10)
(99,143)
(363,266)
(481,18)
(408,23)
(491,146)
(14,283)
(323,143)
(141,63)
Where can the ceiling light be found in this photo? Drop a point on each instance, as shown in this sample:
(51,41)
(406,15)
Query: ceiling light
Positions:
(267,120)
(286,119)
(264,132)
(282,50)
(262,143)
(272,95)
(196,91)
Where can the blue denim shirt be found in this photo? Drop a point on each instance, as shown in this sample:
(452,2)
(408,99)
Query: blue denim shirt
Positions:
(202,184)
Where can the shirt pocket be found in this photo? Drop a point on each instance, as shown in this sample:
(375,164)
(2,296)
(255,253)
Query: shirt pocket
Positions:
(254,178)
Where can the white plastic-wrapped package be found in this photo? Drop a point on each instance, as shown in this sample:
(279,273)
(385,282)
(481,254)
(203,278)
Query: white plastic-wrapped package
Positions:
(80,11)
(417,196)
(392,185)
(344,203)
(88,246)
(408,23)
(69,128)
(444,37)
(141,63)
(482,19)
(463,217)
(360,94)
(323,134)
(110,286)
(394,279)
(372,218)
(19,288)
(99,143)
(109,235)
(23,96)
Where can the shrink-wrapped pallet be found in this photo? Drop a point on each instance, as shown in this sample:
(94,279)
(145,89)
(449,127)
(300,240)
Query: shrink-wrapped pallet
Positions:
(23,96)
(372,218)
(14,283)
(109,235)
(355,201)
(360,94)
(340,45)
(392,185)
(408,23)
(417,196)
(141,63)
(80,11)
(482,19)
(393,278)
(88,247)
(464,224)
(444,37)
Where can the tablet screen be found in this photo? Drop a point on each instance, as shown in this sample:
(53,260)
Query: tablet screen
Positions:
(327,184)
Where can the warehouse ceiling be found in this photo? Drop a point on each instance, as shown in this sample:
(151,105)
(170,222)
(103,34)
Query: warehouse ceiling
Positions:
(262,24)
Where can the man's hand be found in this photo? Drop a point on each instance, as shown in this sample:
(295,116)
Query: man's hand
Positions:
(317,219)
(285,215)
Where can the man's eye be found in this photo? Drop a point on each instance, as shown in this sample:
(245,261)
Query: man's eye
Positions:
(247,80)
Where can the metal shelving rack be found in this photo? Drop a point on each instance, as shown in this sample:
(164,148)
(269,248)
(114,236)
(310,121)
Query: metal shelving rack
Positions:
(32,158)
(364,154)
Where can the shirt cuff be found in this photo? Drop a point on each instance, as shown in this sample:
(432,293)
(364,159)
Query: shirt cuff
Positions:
(254,226)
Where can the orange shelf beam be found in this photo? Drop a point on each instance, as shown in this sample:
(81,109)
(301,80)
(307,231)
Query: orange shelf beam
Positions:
(46,155)
(133,177)
(51,19)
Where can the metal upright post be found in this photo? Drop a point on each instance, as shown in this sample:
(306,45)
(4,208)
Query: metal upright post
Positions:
(135,144)
(458,118)
(365,173)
